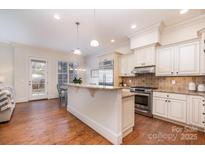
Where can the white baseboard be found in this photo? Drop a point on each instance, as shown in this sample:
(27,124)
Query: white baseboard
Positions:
(105,132)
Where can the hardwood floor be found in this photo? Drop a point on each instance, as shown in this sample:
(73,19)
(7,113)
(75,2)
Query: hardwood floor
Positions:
(44,122)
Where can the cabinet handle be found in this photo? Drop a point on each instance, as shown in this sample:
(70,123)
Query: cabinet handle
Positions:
(203,100)
(203,113)
(177,72)
(203,122)
(172,72)
(167,95)
(165,100)
(203,104)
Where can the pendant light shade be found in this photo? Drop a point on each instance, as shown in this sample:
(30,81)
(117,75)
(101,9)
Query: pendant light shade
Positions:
(94,43)
(77,51)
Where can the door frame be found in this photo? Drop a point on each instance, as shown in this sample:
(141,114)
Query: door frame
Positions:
(30,98)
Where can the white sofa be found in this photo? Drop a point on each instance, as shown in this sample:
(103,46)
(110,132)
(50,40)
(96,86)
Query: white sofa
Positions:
(7,103)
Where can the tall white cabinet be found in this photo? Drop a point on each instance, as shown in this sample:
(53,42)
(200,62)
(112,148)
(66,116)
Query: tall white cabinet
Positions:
(165,61)
(196,111)
(178,60)
(187,58)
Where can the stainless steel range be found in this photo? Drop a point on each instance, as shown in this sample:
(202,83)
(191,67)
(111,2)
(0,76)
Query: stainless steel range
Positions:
(143,100)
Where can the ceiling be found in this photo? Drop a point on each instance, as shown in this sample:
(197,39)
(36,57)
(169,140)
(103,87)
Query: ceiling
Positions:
(39,28)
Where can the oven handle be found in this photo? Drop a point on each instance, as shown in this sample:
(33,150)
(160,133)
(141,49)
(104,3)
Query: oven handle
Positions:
(141,94)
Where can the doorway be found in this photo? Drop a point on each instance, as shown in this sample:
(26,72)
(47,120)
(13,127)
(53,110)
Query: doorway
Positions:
(38,84)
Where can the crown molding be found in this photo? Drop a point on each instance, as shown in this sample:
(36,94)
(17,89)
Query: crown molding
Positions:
(157,26)
(187,22)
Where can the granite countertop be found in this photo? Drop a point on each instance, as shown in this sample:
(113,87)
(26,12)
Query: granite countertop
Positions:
(94,86)
(186,92)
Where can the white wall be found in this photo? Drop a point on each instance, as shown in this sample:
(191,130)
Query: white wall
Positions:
(6,63)
(22,53)
(182,31)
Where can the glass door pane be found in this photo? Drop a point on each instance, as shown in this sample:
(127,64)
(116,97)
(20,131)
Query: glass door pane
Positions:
(38,78)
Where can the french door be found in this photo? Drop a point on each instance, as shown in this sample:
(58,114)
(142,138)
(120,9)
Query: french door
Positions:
(38,79)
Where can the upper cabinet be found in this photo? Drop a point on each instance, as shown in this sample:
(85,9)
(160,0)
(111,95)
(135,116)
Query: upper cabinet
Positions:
(164,61)
(187,59)
(127,64)
(145,56)
(178,60)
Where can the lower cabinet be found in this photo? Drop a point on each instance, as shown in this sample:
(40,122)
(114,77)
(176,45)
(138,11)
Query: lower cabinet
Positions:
(177,110)
(160,107)
(196,111)
(181,108)
(127,114)
(171,106)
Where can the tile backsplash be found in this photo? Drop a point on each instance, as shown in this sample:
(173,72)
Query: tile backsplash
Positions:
(181,83)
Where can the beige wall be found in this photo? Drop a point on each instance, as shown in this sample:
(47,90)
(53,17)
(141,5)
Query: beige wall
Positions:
(14,65)
(6,63)
(22,53)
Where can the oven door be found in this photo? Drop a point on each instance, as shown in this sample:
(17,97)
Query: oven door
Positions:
(142,101)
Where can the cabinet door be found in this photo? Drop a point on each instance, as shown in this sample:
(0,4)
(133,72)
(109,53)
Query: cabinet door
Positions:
(145,56)
(187,59)
(123,65)
(164,61)
(140,57)
(160,107)
(177,110)
(127,112)
(196,111)
(202,54)
(130,63)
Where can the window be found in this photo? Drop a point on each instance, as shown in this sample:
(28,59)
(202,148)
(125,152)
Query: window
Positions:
(73,71)
(62,73)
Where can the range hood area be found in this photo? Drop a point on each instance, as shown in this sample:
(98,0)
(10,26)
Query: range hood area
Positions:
(143,70)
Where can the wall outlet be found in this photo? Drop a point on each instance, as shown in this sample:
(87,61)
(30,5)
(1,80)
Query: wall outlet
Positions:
(173,82)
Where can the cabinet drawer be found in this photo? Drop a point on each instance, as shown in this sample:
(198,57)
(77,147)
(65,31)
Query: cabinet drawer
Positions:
(170,95)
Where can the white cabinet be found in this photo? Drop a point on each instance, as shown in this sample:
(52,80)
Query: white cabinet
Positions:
(196,111)
(123,65)
(127,64)
(187,59)
(127,114)
(181,59)
(171,106)
(160,107)
(164,61)
(145,56)
(177,110)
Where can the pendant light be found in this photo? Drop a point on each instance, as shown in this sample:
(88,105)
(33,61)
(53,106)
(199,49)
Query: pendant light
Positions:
(77,51)
(94,42)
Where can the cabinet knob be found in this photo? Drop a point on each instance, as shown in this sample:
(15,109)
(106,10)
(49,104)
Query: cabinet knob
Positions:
(203,100)
(165,100)
(203,104)
(203,122)
(167,95)
(172,72)
(203,113)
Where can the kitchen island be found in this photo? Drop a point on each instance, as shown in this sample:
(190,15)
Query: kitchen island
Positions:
(106,109)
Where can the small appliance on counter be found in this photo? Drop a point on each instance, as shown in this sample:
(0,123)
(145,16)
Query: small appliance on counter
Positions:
(201,88)
(192,86)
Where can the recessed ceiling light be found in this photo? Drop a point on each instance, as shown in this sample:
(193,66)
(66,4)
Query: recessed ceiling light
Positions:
(112,41)
(56,16)
(133,26)
(183,11)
